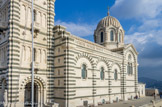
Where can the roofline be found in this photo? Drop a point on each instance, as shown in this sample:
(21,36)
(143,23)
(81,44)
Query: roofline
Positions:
(127,46)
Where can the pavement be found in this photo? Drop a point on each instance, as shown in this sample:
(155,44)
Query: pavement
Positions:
(157,104)
(142,102)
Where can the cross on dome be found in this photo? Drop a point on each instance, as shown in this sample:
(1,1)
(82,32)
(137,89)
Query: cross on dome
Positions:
(108,13)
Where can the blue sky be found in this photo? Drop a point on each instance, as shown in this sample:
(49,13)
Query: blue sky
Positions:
(141,20)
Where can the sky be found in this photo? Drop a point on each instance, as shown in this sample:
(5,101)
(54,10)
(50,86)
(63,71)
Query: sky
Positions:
(141,20)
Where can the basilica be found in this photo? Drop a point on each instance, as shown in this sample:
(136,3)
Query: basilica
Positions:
(68,71)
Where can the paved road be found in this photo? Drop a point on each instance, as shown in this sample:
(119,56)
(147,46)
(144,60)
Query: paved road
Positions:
(158,104)
(136,103)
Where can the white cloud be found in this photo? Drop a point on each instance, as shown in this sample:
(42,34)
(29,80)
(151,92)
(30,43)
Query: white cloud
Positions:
(141,38)
(150,24)
(138,39)
(78,29)
(137,8)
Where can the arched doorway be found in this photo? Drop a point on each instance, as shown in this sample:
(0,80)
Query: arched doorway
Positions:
(28,96)
(38,95)
(39,92)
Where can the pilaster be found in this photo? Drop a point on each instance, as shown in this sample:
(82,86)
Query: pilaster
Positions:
(13,52)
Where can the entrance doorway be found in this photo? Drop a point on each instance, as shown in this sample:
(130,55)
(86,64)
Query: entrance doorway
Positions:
(28,97)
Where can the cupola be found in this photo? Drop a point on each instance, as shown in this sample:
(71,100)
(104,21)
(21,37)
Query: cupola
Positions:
(109,33)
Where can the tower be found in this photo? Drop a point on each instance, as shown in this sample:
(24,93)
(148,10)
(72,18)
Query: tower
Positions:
(15,46)
(109,33)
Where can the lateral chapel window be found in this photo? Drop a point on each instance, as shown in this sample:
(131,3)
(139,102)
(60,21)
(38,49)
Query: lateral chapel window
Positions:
(116,74)
(130,65)
(84,71)
(111,35)
(102,37)
(102,73)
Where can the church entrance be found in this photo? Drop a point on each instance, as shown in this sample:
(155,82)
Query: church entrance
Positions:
(28,96)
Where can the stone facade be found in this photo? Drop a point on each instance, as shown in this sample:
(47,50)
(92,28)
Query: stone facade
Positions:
(16,52)
(69,71)
(71,90)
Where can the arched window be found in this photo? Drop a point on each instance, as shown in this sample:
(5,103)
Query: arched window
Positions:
(130,65)
(102,73)
(102,39)
(84,71)
(111,35)
(116,74)
(129,57)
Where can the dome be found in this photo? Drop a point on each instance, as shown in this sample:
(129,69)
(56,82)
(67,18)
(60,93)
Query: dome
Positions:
(109,33)
(107,21)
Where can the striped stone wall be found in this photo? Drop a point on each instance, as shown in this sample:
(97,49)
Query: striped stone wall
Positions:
(50,53)
(71,90)
(18,72)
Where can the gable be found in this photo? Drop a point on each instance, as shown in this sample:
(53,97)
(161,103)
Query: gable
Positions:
(130,47)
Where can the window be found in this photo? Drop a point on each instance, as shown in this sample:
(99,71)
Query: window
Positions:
(102,73)
(58,82)
(84,71)
(85,103)
(58,72)
(58,50)
(130,66)
(102,37)
(34,54)
(116,74)
(112,35)
(34,12)
(58,60)
(131,69)
(117,99)
(103,101)
(129,57)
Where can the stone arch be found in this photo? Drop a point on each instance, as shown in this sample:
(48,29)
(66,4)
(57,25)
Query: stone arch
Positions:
(134,62)
(114,63)
(39,91)
(102,59)
(114,31)
(131,53)
(87,56)
(112,28)
(116,67)
(38,80)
